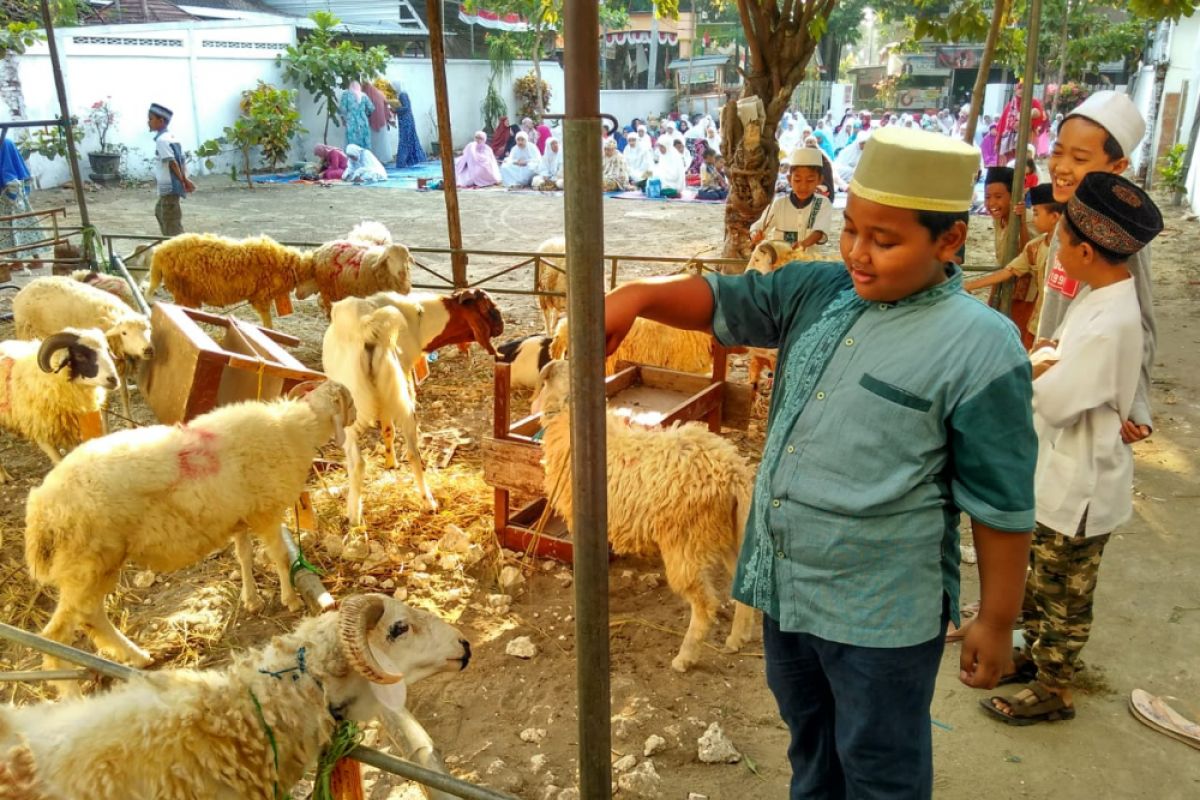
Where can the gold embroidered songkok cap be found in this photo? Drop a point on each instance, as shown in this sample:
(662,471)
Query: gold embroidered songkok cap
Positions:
(924,171)
(1110,211)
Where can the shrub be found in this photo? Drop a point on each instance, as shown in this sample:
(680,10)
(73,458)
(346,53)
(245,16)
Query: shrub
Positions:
(269,121)
(525,93)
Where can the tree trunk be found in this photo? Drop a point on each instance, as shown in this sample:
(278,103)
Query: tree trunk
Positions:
(1062,61)
(779,45)
(11,92)
(999,11)
(538,106)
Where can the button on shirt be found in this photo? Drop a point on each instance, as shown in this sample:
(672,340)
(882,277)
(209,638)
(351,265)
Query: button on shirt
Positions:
(921,408)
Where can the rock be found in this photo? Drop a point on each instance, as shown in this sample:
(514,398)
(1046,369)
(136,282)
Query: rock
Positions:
(332,545)
(506,780)
(449,562)
(521,647)
(715,747)
(654,744)
(565,579)
(388,585)
(356,550)
(697,796)
(533,735)
(143,579)
(498,600)
(419,579)
(550,792)
(496,767)
(370,581)
(548,565)
(624,727)
(568,794)
(641,782)
(401,594)
(473,555)
(454,540)
(651,580)
(427,545)
(511,580)
(538,762)
(625,763)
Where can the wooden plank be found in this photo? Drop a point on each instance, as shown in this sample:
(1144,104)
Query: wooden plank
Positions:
(526,426)
(264,345)
(501,393)
(517,538)
(215,319)
(673,381)
(513,466)
(736,406)
(696,407)
(627,375)
(500,510)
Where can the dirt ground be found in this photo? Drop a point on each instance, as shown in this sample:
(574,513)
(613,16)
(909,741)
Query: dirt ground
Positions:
(1147,632)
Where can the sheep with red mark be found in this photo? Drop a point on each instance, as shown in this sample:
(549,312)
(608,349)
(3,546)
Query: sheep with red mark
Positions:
(365,262)
(166,496)
(249,730)
(372,346)
(49,387)
(683,493)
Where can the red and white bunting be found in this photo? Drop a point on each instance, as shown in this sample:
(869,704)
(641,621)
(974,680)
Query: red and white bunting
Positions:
(639,37)
(490,19)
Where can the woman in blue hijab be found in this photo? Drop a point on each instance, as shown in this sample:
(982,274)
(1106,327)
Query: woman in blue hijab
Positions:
(409,152)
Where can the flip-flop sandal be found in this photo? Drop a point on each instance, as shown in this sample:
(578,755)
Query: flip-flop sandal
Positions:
(1031,704)
(1153,711)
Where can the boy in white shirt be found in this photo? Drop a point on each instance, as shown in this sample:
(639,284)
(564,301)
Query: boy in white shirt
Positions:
(803,218)
(1084,386)
(170,172)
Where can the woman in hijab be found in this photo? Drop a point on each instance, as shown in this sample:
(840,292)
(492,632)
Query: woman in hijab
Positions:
(615,175)
(477,164)
(530,131)
(550,169)
(333,162)
(713,137)
(409,152)
(501,138)
(699,148)
(518,168)
(362,166)
(543,136)
(356,109)
(638,162)
(14,199)
(847,161)
(380,118)
(789,137)
(646,143)
(670,170)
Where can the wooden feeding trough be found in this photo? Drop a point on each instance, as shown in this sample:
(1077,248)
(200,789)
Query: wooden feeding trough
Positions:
(652,396)
(192,373)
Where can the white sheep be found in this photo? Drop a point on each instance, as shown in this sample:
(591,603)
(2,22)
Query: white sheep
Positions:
(550,276)
(372,345)
(110,283)
(682,492)
(48,387)
(365,262)
(50,304)
(199,735)
(166,496)
(650,343)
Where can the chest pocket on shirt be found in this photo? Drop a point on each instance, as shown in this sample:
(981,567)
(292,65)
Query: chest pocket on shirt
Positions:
(894,393)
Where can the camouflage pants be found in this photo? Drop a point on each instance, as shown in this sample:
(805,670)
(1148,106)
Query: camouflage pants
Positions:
(1057,608)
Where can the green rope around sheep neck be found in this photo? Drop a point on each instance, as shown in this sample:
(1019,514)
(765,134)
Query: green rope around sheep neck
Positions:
(262,720)
(346,737)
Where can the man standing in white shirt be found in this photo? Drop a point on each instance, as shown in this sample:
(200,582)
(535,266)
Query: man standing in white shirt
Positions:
(169,171)
(1084,387)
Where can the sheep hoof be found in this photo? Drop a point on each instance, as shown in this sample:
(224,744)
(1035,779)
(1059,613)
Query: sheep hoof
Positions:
(294,603)
(431,504)
(252,603)
(141,660)
(681,663)
(732,645)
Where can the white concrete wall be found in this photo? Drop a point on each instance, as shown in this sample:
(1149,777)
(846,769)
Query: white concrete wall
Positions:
(200,70)
(1184,67)
(1143,98)
(625,104)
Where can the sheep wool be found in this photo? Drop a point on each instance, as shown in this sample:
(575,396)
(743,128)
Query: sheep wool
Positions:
(204,269)
(551,277)
(683,493)
(345,268)
(650,343)
(50,304)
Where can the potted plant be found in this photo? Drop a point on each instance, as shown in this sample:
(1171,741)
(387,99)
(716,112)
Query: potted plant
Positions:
(105,162)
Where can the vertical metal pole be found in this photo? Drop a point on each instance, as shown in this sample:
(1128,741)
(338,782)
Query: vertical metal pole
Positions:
(1011,239)
(585,308)
(458,259)
(61,89)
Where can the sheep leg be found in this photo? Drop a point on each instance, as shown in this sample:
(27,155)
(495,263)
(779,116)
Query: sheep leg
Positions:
(108,639)
(694,583)
(5,475)
(388,434)
(251,599)
(264,313)
(412,444)
(272,540)
(743,627)
(355,467)
(51,451)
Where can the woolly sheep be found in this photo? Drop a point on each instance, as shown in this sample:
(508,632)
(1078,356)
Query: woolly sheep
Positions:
(767,257)
(49,304)
(371,347)
(551,276)
(198,734)
(203,269)
(47,388)
(166,496)
(652,344)
(363,263)
(118,287)
(683,492)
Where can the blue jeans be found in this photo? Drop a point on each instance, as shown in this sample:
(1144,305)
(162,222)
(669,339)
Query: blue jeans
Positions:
(859,716)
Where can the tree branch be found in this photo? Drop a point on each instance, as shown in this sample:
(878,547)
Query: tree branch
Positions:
(757,55)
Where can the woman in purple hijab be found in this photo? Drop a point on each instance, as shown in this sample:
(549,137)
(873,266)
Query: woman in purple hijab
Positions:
(477,165)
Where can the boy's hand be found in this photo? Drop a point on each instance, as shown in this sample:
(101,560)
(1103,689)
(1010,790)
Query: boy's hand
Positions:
(621,308)
(1132,432)
(986,654)
(1019,208)
(1042,367)
(188,186)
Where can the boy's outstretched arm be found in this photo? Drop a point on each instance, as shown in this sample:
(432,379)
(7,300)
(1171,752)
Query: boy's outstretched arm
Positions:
(681,301)
(987,649)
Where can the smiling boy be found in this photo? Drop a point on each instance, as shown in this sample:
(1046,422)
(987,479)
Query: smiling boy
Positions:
(882,428)
(1098,136)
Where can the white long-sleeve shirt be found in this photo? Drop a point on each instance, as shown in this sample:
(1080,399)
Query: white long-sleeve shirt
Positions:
(1079,405)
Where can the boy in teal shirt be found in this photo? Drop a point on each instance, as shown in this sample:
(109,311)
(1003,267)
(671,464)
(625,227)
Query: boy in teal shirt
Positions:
(899,402)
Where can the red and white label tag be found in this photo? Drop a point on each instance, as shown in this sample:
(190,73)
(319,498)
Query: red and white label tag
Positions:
(1059,281)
